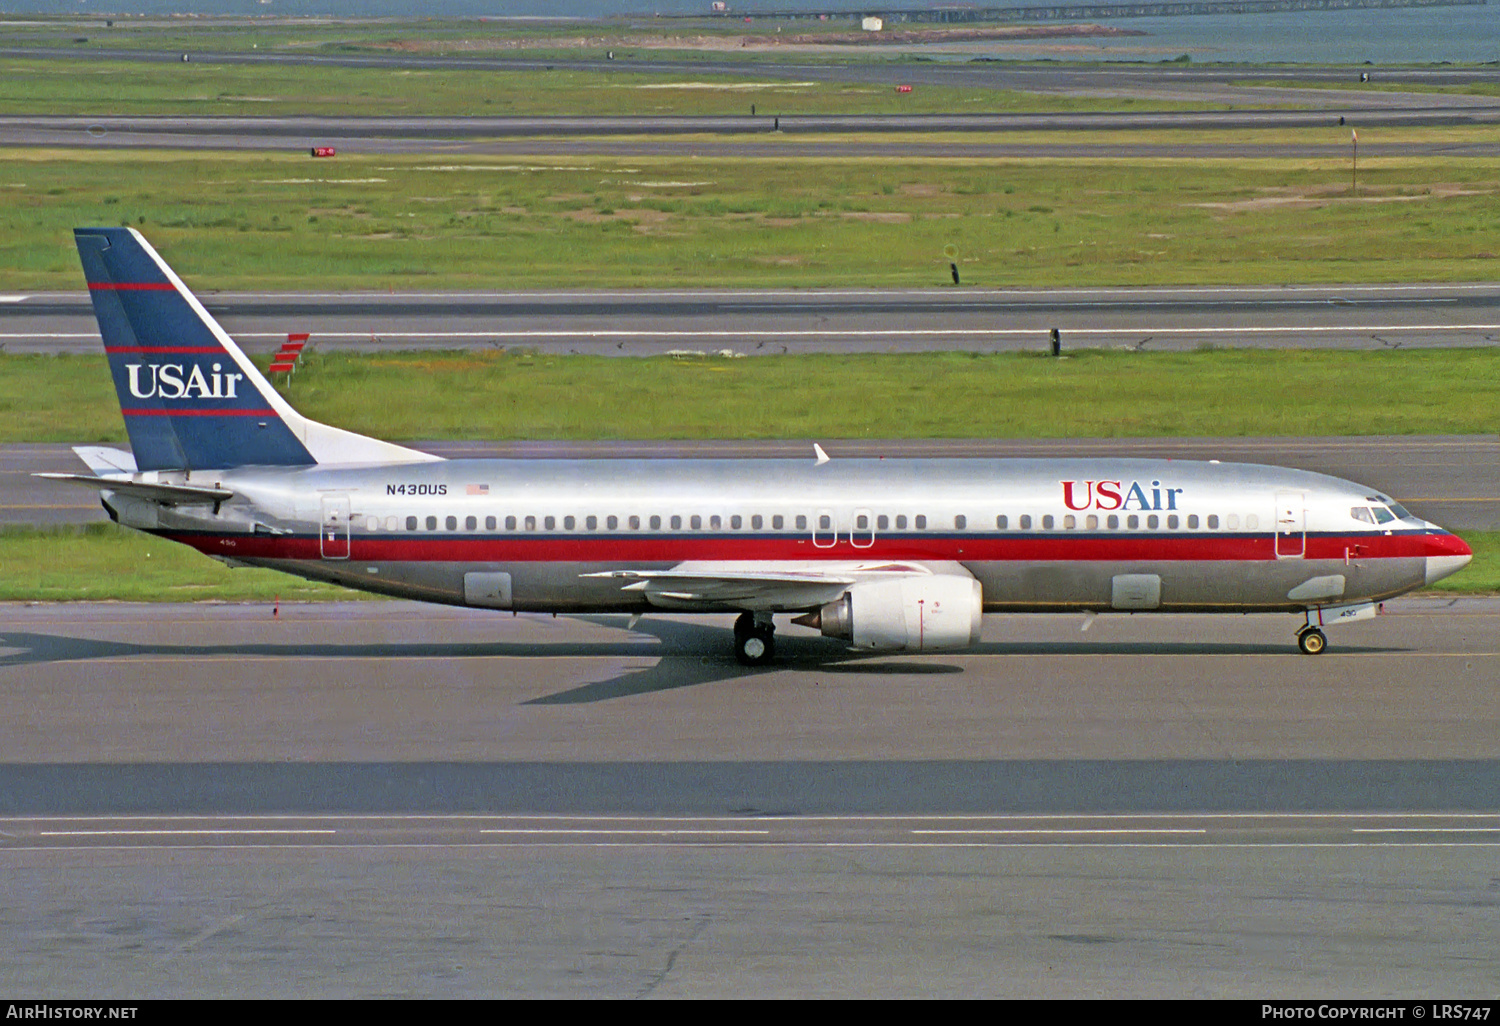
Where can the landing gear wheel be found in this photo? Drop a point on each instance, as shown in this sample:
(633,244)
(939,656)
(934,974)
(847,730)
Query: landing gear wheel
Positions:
(743,625)
(1312,641)
(756,646)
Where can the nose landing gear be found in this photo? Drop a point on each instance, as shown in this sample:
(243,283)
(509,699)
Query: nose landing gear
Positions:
(754,639)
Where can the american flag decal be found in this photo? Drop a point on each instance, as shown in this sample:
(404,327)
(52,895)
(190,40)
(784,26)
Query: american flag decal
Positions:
(483,489)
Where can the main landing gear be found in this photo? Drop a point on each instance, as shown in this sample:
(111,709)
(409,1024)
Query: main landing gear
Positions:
(1311,640)
(754,639)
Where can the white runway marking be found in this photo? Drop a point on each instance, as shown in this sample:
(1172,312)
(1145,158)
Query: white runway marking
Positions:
(1050,832)
(555,831)
(206,832)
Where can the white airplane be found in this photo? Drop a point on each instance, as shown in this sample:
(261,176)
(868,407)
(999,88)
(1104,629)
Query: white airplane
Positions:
(887,554)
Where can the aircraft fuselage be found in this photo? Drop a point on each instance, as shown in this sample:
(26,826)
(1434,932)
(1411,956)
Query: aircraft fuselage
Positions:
(1038,535)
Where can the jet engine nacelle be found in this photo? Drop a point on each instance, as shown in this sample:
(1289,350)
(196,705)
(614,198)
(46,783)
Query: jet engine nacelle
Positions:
(911,614)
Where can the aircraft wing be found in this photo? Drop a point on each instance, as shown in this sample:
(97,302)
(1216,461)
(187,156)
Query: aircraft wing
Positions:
(754,586)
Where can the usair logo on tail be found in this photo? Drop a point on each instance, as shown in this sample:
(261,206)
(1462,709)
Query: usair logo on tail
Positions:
(176,381)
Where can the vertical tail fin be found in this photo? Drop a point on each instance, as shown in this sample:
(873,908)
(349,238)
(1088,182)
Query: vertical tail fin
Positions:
(191,398)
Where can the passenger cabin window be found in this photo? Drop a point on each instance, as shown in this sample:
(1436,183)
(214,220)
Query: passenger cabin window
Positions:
(1252,521)
(1069,522)
(901,521)
(392,523)
(591,523)
(801,522)
(882,522)
(735,522)
(635,523)
(411,523)
(1213,521)
(1092,523)
(921,522)
(1172,522)
(960,522)
(489,523)
(510,523)
(1232,521)
(611,523)
(1192,521)
(1025,521)
(861,522)
(696,522)
(531,523)
(1114,521)
(777,521)
(471,523)
(451,523)
(550,523)
(655,522)
(757,522)
(432,523)
(1002,522)
(1047,522)
(825,522)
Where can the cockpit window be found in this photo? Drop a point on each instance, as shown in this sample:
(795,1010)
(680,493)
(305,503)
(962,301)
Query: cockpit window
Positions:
(1401,511)
(1383,515)
(1362,513)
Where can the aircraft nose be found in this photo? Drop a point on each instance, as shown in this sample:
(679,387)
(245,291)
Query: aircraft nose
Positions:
(1447,554)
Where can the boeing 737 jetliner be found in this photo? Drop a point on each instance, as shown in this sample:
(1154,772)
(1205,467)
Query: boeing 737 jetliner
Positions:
(887,554)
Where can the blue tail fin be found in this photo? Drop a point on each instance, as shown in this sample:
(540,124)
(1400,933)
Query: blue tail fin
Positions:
(191,399)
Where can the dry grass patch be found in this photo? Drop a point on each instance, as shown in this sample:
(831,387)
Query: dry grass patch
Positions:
(1322,196)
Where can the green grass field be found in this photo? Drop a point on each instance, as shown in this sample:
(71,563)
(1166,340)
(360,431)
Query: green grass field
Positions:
(106,87)
(257,221)
(493,394)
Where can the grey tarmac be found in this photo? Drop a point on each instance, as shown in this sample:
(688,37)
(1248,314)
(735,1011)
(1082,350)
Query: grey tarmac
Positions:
(788,137)
(373,799)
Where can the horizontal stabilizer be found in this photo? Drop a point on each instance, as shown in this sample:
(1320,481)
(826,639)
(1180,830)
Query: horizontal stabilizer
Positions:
(103,460)
(166,494)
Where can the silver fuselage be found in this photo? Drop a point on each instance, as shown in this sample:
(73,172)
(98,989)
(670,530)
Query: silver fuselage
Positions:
(1038,534)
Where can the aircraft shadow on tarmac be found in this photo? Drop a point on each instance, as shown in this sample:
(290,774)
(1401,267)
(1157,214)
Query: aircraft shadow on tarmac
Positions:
(686,655)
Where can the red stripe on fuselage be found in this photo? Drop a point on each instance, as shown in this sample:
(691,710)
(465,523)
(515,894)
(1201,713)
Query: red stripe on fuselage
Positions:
(400,547)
